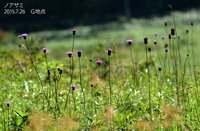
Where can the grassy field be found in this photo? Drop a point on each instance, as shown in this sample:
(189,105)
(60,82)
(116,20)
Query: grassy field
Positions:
(138,87)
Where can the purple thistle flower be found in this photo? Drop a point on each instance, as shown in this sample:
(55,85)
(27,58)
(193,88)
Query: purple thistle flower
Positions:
(155,42)
(90,59)
(163,37)
(8,103)
(99,62)
(44,50)
(155,34)
(166,49)
(58,68)
(73,87)
(19,36)
(79,53)
(92,85)
(179,36)
(109,51)
(23,35)
(74,31)
(69,53)
(169,36)
(129,41)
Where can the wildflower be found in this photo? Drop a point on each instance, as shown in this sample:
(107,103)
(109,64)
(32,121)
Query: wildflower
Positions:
(109,51)
(173,31)
(155,42)
(145,40)
(23,35)
(191,23)
(129,41)
(8,103)
(60,72)
(44,50)
(187,30)
(149,49)
(58,68)
(169,36)
(99,62)
(163,37)
(69,53)
(166,49)
(92,85)
(90,59)
(155,34)
(179,37)
(74,31)
(79,53)
(159,68)
(73,87)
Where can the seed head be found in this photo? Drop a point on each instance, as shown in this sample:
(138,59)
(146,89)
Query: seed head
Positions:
(191,23)
(166,45)
(149,49)
(165,24)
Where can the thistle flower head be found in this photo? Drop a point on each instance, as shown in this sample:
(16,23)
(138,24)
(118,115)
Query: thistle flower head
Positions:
(169,36)
(155,42)
(92,85)
(58,68)
(69,53)
(179,36)
(79,53)
(44,50)
(173,31)
(73,87)
(109,51)
(145,40)
(74,31)
(163,37)
(149,49)
(191,23)
(155,34)
(99,62)
(90,59)
(8,103)
(166,49)
(129,41)
(187,30)
(24,35)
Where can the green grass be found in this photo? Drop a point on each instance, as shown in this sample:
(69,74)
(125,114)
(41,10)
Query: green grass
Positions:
(29,109)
